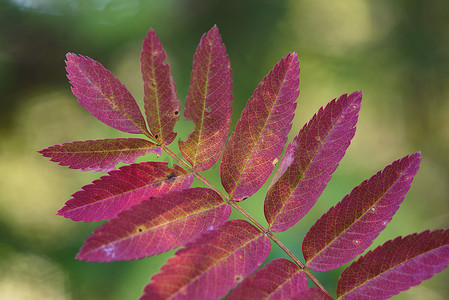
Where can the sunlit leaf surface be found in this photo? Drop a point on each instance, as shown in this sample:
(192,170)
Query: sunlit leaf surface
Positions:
(103,95)
(309,161)
(161,100)
(211,266)
(351,226)
(279,279)
(208,103)
(99,155)
(261,133)
(109,195)
(157,225)
(395,266)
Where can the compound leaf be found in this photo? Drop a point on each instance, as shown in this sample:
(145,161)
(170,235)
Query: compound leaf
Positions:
(351,226)
(212,265)
(309,161)
(103,95)
(260,135)
(118,191)
(161,101)
(395,266)
(99,155)
(279,279)
(208,103)
(157,225)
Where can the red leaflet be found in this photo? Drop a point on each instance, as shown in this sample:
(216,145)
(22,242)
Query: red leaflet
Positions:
(157,225)
(279,279)
(212,265)
(313,293)
(350,227)
(309,161)
(152,208)
(259,138)
(109,195)
(208,103)
(395,266)
(99,155)
(103,95)
(161,100)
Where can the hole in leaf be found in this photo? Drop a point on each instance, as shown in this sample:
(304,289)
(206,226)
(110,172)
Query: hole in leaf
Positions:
(356,242)
(208,110)
(373,209)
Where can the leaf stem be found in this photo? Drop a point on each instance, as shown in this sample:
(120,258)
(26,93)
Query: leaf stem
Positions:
(247,215)
(297,261)
(177,158)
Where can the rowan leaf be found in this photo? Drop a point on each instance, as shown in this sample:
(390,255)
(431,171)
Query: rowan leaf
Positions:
(161,100)
(279,279)
(157,225)
(212,265)
(309,162)
(261,133)
(395,266)
(208,103)
(103,95)
(99,155)
(123,188)
(348,228)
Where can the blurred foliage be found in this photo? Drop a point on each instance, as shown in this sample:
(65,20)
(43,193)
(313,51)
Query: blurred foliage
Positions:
(396,51)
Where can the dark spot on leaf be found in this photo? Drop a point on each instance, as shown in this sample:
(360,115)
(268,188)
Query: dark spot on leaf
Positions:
(156,136)
(238,278)
(156,184)
(140,229)
(244,198)
(176,113)
(171,178)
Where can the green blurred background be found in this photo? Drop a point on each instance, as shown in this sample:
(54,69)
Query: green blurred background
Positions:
(397,52)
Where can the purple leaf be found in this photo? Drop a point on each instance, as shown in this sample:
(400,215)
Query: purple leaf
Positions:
(99,155)
(351,226)
(157,225)
(309,161)
(395,266)
(109,195)
(212,265)
(103,95)
(313,293)
(259,138)
(279,279)
(208,103)
(161,100)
